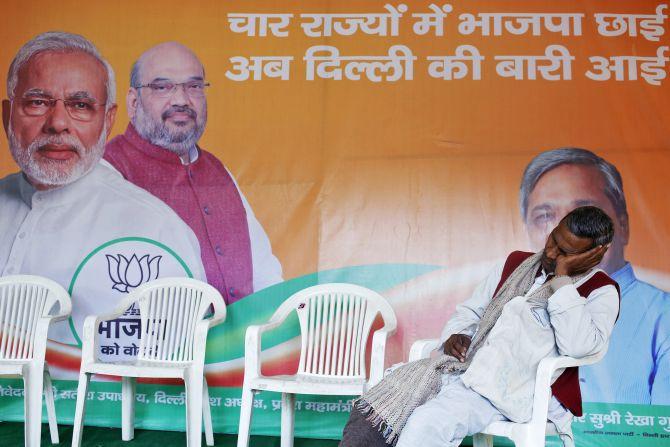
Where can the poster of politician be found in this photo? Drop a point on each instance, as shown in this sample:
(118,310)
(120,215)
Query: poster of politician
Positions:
(265,147)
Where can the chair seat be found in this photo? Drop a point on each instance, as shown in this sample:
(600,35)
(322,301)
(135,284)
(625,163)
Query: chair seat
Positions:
(302,384)
(138,368)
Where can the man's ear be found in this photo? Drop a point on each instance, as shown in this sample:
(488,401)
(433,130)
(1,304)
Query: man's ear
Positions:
(6,111)
(132,99)
(623,224)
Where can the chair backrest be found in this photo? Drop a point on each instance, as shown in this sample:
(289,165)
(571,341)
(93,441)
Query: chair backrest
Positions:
(170,309)
(24,299)
(335,321)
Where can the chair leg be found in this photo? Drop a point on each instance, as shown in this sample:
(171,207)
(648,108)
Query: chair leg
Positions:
(51,408)
(245,417)
(207,414)
(482,440)
(33,382)
(193,383)
(530,438)
(287,419)
(78,425)
(568,438)
(128,408)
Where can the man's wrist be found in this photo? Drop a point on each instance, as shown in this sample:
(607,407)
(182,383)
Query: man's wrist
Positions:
(559,281)
(561,271)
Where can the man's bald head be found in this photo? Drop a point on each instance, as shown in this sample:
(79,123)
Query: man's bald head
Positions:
(166,51)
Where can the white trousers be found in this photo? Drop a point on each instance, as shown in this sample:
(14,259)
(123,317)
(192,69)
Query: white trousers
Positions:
(446,419)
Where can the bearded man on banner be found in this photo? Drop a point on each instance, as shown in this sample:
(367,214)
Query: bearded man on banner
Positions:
(540,305)
(636,368)
(68,215)
(167,105)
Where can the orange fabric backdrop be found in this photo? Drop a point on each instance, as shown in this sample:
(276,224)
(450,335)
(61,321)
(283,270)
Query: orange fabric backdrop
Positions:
(343,172)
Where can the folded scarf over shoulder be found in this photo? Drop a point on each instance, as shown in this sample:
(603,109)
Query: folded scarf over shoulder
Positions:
(390,403)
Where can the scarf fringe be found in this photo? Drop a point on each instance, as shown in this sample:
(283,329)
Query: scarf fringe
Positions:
(377,421)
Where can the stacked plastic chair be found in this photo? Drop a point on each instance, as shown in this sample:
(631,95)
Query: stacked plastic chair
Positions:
(335,321)
(175,316)
(27,304)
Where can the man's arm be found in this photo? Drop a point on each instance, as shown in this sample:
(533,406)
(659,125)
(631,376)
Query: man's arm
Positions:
(467,315)
(266,267)
(582,325)
(180,238)
(660,388)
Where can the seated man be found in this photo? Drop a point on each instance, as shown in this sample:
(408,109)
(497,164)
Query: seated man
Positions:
(536,306)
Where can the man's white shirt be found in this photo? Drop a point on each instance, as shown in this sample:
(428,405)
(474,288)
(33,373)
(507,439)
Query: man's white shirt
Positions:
(582,326)
(99,237)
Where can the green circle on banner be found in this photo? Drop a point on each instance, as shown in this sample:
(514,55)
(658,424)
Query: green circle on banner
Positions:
(88,257)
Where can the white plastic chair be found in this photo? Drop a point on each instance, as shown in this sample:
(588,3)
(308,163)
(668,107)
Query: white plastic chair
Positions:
(335,321)
(533,432)
(174,325)
(26,303)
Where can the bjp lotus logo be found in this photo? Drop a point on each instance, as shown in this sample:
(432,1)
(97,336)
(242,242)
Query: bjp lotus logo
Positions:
(126,274)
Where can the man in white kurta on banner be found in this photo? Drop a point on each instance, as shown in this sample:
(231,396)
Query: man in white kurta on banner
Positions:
(68,215)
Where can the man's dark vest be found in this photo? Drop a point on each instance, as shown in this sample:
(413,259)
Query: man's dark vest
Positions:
(566,387)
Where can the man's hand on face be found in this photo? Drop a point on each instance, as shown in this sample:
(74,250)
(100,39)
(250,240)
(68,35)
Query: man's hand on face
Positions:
(457,345)
(569,265)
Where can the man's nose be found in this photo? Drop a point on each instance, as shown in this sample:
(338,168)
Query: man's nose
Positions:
(57,119)
(179,96)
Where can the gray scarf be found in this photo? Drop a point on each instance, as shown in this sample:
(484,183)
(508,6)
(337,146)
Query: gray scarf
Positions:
(389,404)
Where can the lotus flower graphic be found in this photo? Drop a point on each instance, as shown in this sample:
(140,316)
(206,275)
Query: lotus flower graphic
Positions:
(126,274)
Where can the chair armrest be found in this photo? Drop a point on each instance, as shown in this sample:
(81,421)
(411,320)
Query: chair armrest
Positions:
(117,312)
(252,347)
(89,335)
(377,356)
(421,349)
(64,311)
(89,338)
(252,337)
(200,341)
(547,367)
(545,371)
(220,313)
(60,317)
(40,337)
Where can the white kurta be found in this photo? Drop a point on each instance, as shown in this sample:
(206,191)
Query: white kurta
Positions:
(98,237)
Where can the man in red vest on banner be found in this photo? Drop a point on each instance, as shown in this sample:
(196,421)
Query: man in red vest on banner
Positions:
(554,302)
(159,152)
